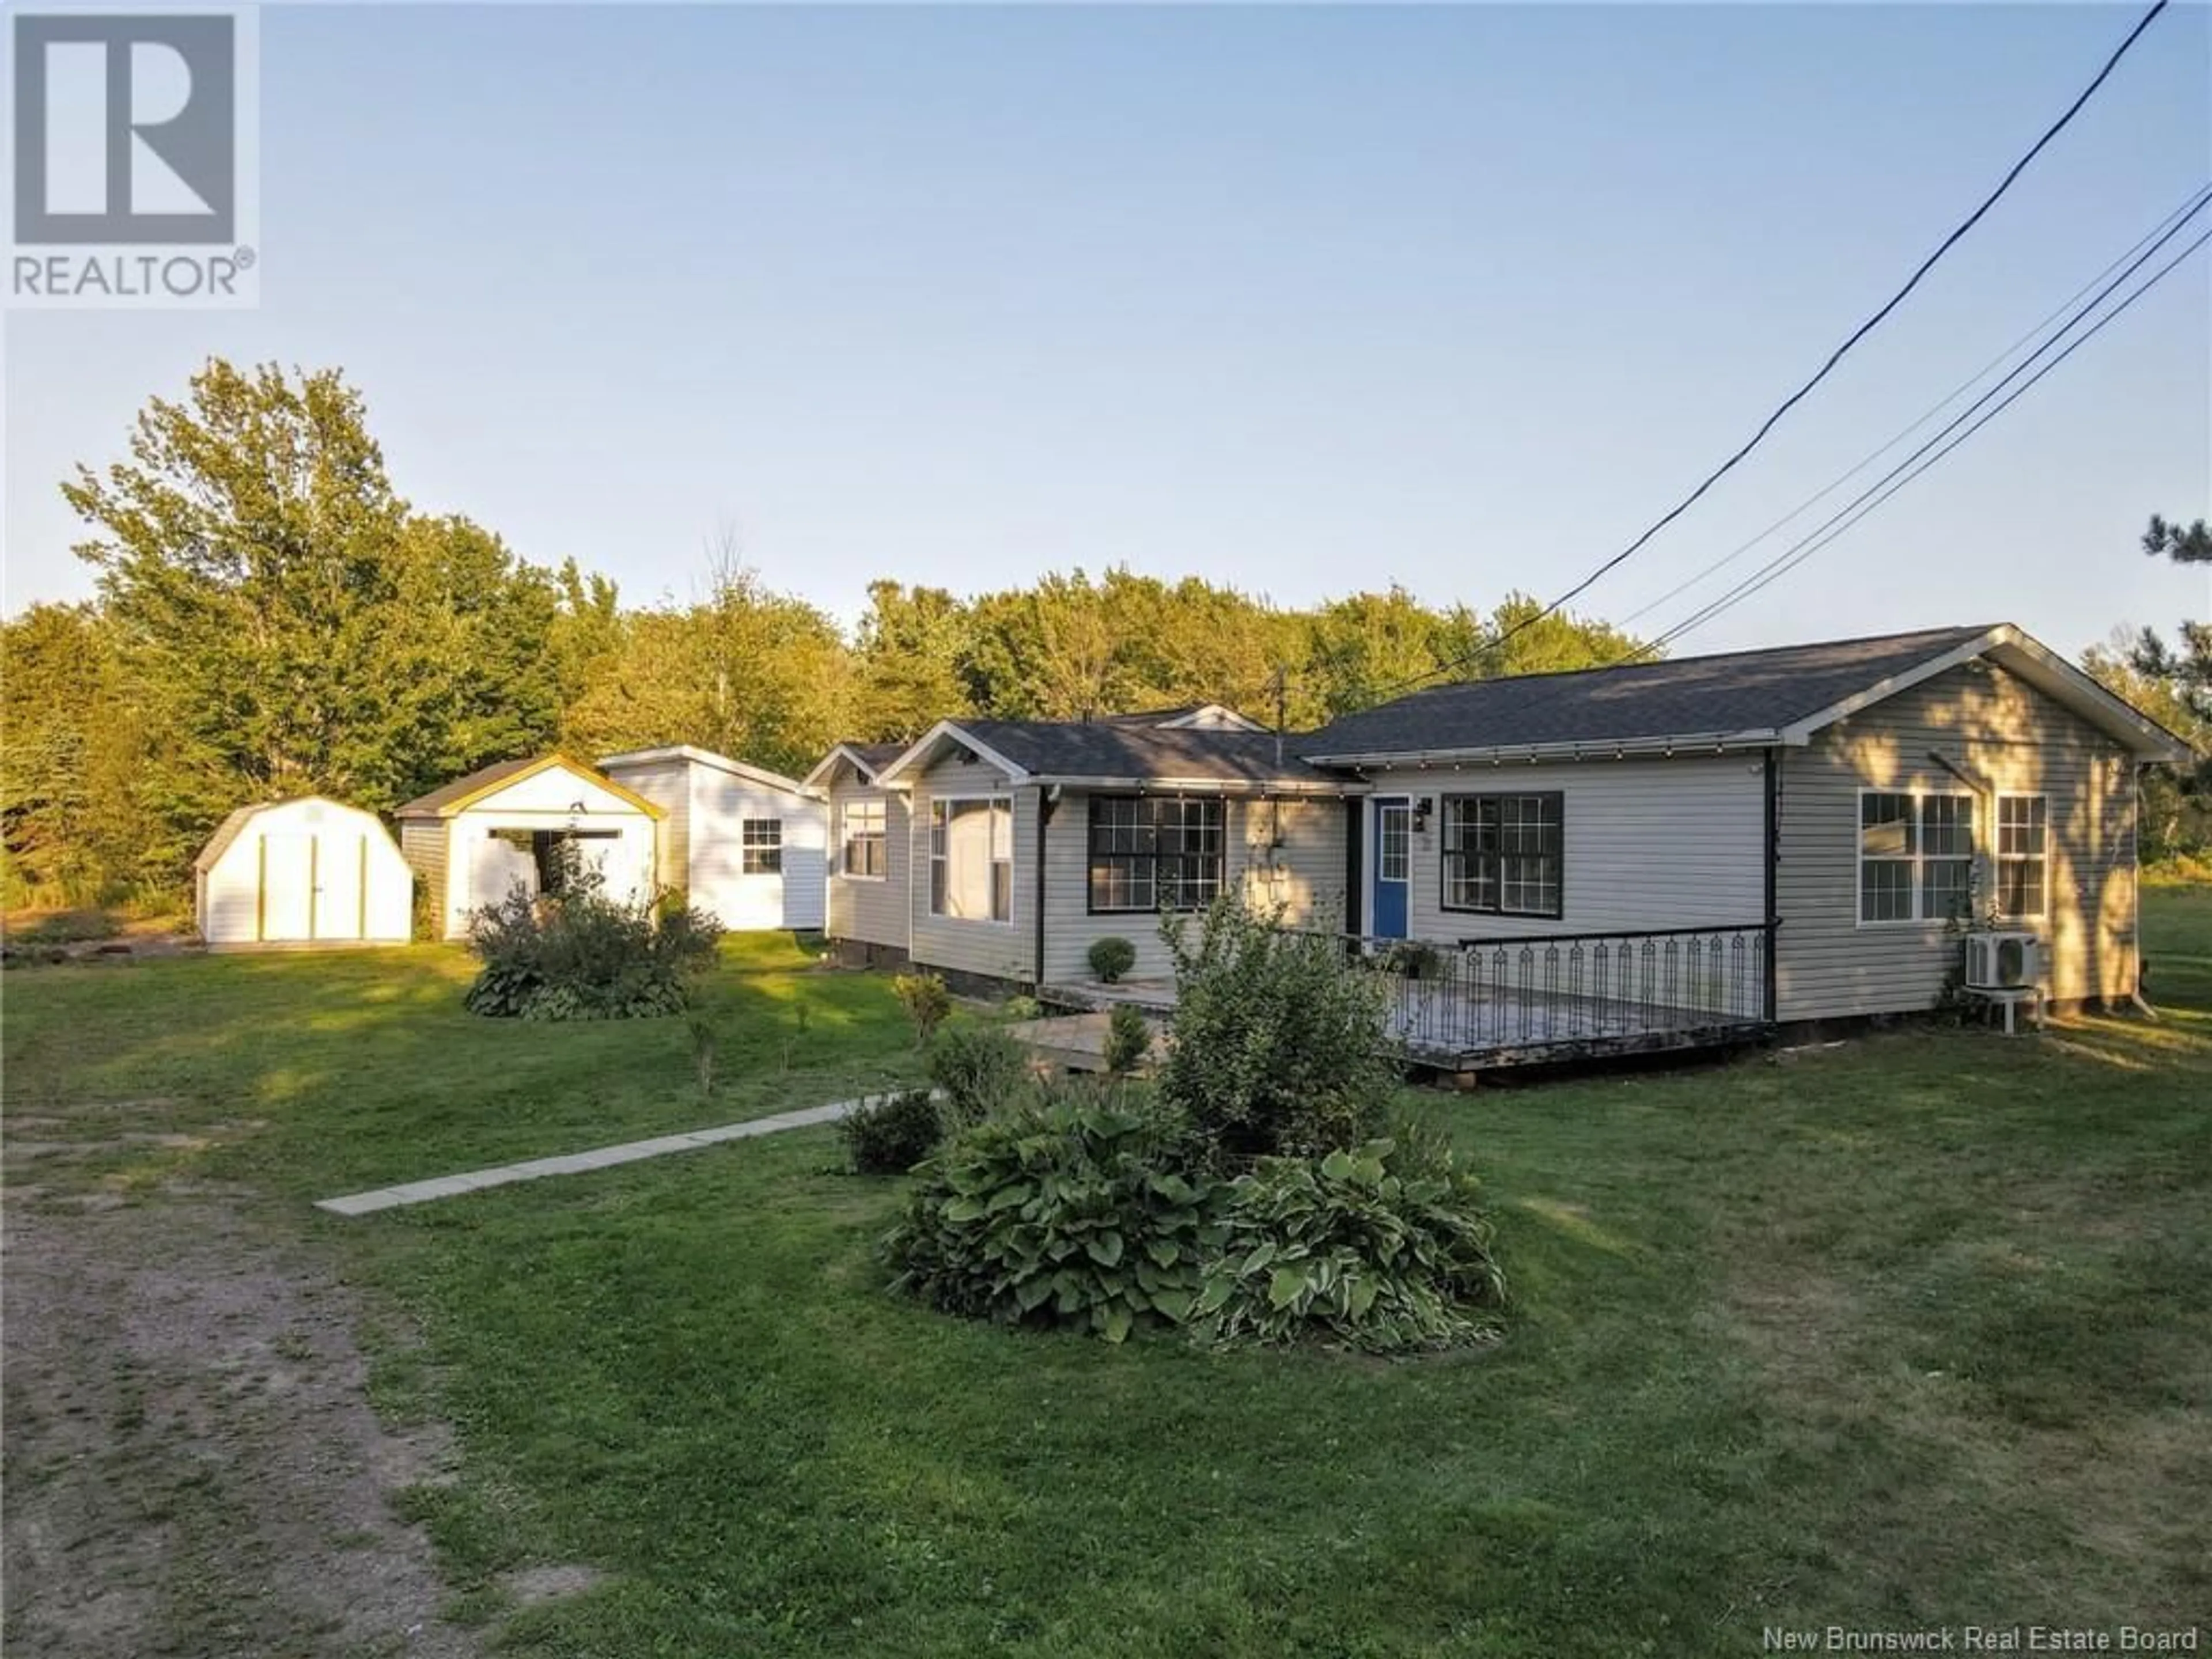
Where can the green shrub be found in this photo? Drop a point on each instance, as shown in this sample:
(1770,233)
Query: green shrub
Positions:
(927,1003)
(979,1067)
(578,953)
(1276,1042)
(890,1134)
(1111,957)
(1128,1039)
(1075,1207)
(1383,1248)
(1023,1006)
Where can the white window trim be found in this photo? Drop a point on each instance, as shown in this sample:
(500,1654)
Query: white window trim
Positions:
(839,870)
(745,821)
(926,821)
(1917,794)
(1997,855)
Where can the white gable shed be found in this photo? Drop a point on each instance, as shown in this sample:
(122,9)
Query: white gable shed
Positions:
(478,837)
(306,871)
(748,845)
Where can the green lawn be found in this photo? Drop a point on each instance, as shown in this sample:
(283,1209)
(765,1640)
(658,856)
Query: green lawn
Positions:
(1914,1330)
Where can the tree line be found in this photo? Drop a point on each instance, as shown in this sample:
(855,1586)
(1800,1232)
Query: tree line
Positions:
(273,618)
(2172,684)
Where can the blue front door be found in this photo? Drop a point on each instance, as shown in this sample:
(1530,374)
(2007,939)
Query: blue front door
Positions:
(1393,856)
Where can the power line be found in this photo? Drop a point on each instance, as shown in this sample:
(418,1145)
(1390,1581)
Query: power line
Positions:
(1868,500)
(1826,368)
(1800,551)
(2194,203)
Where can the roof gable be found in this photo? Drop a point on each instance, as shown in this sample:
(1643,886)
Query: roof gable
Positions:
(1209,716)
(479,786)
(865,761)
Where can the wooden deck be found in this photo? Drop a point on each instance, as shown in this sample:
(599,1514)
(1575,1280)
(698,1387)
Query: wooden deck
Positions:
(1076,1042)
(1465,1028)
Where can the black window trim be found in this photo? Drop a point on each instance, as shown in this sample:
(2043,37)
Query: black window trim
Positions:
(1092,906)
(1444,854)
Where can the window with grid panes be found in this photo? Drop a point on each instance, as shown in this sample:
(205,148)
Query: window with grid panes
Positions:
(1155,852)
(1504,854)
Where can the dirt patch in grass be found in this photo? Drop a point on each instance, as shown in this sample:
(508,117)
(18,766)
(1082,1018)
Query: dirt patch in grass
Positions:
(191,1462)
(2104,1503)
(532,1586)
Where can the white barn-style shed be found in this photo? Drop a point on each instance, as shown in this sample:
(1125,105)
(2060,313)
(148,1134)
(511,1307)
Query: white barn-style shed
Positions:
(475,839)
(747,845)
(299,872)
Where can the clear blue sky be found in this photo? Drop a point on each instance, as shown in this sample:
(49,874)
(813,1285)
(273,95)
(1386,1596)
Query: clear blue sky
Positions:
(1301,299)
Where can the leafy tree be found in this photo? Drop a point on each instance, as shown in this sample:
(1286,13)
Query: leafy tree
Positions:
(285,624)
(909,652)
(2172,684)
(1515,642)
(744,671)
(71,827)
(2184,667)
(1360,650)
(274,618)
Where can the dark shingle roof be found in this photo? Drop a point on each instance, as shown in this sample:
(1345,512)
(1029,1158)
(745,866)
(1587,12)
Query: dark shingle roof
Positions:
(1688,696)
(446,793)
(877,755)
(1106,749)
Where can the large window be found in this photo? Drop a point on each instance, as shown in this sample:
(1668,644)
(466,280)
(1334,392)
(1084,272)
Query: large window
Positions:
(971,859)
(1155,852)
(2023,865)
(1504,854)
(860,836)
(1916,856)
(760,846)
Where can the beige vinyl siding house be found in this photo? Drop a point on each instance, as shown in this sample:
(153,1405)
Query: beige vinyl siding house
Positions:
(957,922)
(1848,797)
(1286,854)
(992,873)
(1711,845)
(1648,843)
(868,916)
(1977,732)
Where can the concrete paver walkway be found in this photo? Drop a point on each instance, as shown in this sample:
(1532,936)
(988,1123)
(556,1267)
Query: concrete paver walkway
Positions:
(599,1157)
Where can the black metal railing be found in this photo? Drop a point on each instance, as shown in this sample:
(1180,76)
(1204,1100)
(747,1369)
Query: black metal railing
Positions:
(1564,991)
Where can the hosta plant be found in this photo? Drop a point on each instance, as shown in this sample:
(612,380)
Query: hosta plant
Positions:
(1381,1247)
(1075,1207)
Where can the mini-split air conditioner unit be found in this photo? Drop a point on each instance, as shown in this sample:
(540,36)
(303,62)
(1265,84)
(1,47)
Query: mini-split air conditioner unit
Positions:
(2001,961)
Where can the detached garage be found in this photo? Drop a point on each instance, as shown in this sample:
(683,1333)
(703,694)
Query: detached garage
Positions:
(473,840)
(306,871)
(747,845)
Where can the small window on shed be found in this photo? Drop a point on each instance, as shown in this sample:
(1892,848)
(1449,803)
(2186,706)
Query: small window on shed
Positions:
(760,841)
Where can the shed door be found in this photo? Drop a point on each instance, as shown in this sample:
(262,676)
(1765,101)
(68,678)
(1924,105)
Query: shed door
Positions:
(339,865)
(288,887)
